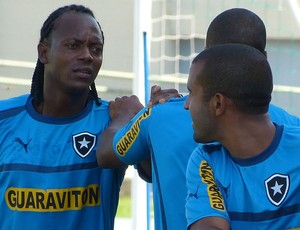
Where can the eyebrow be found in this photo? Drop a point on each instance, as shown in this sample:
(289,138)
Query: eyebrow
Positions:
(81,41)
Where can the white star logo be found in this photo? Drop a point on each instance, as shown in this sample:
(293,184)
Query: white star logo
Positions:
(276,188)
(84,143)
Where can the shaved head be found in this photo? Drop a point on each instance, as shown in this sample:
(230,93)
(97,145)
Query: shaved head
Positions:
(237,25)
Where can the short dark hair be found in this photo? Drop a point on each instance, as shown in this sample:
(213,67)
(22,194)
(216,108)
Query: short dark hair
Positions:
(37,84)
(240,72)
(237,25)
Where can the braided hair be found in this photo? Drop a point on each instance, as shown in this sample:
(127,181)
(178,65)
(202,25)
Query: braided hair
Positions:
(37,84)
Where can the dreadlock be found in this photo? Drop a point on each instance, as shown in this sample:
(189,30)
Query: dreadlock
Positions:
(37,84)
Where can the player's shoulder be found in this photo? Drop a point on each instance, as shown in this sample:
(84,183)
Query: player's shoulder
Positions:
(100,111)
(291,130)
(176,101)
(104,105)
(281,116)
(13,106)
(14,102)
(207,150)
(171,106)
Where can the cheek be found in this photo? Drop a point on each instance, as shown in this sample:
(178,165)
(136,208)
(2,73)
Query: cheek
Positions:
(194,112)
(98,62)
(200,116)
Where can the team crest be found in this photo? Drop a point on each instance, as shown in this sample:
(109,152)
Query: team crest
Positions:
(83,143)
(277,187)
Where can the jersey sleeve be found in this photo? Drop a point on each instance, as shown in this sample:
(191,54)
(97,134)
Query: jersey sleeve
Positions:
(131,142)
(204,199)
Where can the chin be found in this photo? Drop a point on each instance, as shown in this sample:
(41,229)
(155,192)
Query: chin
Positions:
(196,138)
(200,139)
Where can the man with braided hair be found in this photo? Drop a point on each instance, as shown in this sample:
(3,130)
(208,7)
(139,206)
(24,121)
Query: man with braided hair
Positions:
(37,89)
(49,174)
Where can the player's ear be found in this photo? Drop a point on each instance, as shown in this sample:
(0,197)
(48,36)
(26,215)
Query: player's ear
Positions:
(219,103)
(43,52)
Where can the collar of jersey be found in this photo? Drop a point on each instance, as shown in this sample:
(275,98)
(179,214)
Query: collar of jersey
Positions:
(264,154)
(57,120)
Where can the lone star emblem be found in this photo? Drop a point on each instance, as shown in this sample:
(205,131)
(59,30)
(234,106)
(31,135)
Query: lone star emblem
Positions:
(84,143)
(277,187)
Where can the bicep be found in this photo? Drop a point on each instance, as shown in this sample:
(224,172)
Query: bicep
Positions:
(131,143)
(204,198)
(106,156)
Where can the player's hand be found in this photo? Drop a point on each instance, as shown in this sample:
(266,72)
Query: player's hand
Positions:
(125,107)
(161,96)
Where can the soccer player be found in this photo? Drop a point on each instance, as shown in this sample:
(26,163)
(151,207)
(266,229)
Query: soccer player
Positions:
(251,178)
(49,174)
(164,131)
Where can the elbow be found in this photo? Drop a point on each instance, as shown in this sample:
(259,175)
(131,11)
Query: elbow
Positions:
(108,160)
(102,164)
(103,160)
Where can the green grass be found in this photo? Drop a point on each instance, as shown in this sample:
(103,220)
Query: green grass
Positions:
(124,208)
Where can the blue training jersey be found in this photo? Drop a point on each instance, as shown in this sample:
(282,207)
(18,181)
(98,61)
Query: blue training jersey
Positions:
(280,116)
(49,174)
(261,192)
(164,131)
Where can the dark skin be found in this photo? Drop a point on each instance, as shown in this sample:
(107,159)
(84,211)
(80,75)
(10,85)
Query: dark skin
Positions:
(73,57)
(121,111)
(244,135)
(145,170)
(211,223)
(132,106)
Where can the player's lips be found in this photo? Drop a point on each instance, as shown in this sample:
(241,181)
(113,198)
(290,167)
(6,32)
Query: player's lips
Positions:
(84,71)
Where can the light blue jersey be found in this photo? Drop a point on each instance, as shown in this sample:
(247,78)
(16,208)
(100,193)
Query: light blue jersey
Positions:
(256,193)
(280,116)
(164,131)
(49,174)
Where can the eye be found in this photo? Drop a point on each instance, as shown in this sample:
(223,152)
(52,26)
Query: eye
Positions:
(72,45)
(97,50)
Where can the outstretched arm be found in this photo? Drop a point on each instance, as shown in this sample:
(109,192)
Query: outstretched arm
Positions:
(158,95)
(121,111)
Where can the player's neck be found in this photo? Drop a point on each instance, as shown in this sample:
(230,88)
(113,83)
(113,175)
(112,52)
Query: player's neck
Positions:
(61,108)
(250,138)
